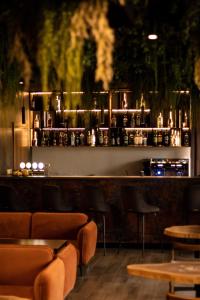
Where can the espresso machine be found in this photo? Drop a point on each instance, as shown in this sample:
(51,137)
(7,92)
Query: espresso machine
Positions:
(166,167)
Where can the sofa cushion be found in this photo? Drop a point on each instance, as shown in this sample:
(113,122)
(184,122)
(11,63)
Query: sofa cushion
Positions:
(15,225)
(15,291)
(26,261)
(57,225)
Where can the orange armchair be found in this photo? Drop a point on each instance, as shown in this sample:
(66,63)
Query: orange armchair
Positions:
(31,272)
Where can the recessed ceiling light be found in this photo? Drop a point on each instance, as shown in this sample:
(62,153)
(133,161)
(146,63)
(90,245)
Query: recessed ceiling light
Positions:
(152,36)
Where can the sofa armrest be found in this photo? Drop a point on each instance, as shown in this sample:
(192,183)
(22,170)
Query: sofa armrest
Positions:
(49,283)
(68,255)
(87,241)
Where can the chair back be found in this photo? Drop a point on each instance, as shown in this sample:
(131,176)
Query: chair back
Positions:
(21,264)
(93,199)
(193,198)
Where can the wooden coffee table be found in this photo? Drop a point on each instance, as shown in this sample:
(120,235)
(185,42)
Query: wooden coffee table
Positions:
(185,237)
(184,272)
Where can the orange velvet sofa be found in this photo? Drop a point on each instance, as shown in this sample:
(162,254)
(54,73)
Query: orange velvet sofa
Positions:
(74,227)
(31,272)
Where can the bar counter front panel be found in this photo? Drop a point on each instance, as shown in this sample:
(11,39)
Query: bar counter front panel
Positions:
(166,192)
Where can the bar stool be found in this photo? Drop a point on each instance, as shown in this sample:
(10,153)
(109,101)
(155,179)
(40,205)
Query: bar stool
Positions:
(54,200)
(93,203)
(193,200)
(134,202)
(8,199)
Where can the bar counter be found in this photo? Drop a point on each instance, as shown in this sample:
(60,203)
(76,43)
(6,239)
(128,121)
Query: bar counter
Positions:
(166,192)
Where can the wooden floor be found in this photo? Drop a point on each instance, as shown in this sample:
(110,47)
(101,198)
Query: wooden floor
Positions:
(107,279)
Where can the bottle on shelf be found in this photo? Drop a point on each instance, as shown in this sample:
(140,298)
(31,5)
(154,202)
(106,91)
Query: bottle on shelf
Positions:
(100,138)
(72,139)
(136,138)
(112,139)
(137,119)
(186,138)
(125,138)
(49,120)
(125,120)
(113,121)
(144,139)
(160,120)
(35,139)
(142,114)
(88,138)
(105,138)
(132,120)
(155,138)
(166,138)
(140,138)
(82,139)
(60,139)
(159,138)
(54,138)
(36,124)
(77,139)
(93,138)
(185,121)
(170,122)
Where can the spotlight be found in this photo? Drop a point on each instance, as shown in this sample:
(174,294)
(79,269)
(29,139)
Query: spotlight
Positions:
(152,36)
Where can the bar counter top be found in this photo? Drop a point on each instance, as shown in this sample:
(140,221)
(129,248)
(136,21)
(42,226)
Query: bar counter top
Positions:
(99,177)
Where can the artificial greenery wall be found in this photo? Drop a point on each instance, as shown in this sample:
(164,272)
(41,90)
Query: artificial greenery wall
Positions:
(99,45)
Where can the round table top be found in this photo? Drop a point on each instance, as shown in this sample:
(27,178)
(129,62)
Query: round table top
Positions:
(183,231)
(187,272)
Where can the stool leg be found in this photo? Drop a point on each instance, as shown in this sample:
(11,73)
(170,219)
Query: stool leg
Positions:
(104,234)
(143,219)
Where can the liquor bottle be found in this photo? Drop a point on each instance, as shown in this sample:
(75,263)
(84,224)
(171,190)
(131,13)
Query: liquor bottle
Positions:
(137,120)
(65,138)
(35,139)
(159,138)
(54,139)
(136,141)
(100,138)
(125,120)
(132,120)
(82,139)
(131,138)
(113,121)
(77,139)
(160,120)
(88,138)
(155,138)
(144,139)
(49,120)
(140,138)
(142,114)
(60,139)
(125,138)
(93,138)
(186,139)
(166,138)
(118,139)
(72,139)
(185,122)
(170,122)
(105,138)
(43,139)
(36,122)
(112,140)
